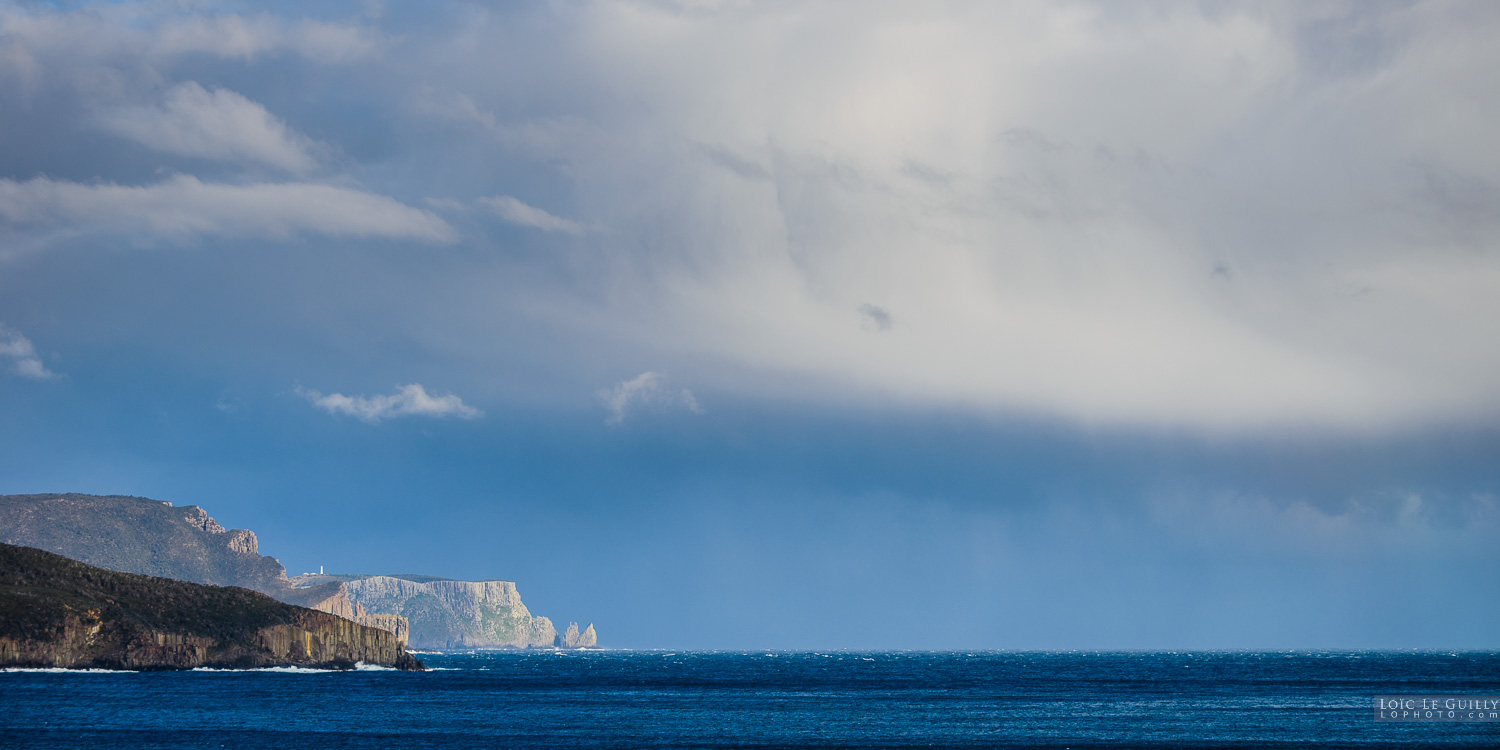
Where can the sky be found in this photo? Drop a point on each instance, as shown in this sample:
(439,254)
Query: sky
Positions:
(867,325)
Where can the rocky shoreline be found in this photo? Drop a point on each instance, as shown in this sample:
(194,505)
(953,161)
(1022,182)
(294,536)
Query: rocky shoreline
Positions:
(152,537)
(57,612)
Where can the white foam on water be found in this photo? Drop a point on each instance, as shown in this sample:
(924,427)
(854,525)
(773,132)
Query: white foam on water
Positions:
(358,666)
(64,670)
(280,670)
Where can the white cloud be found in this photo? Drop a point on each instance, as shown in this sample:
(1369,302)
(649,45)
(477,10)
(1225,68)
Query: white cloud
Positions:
(1221,218)
(237,36)
(408,400)
(1040,196)
(22,355)
(516,212)
(212,124)
(647,390)
(155,31)
(446,204)
(184,206)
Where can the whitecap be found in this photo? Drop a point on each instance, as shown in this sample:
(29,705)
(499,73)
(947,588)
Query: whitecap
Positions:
(65,670)
(363,667)
(281,670)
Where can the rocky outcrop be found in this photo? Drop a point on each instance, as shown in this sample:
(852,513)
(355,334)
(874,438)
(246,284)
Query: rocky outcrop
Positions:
(333,598)
(242,541)
(391,623)
(445,614)
(56,612)
(571,638)
(139,535)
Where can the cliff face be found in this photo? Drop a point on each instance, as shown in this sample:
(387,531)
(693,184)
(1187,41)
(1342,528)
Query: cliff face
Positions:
(150,537)
(448,614)
(333,598)
(84,643)
(56,612)
(138,535)
(390,623)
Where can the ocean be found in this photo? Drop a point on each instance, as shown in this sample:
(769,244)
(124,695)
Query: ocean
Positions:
(641,699)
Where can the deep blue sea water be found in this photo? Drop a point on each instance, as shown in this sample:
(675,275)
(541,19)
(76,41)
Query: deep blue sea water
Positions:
(756,700)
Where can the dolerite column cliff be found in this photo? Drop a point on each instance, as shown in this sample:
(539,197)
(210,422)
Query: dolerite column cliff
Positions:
(444,613)
(447,614)
(321,638)
(333,598)
(56,612)
(139,535)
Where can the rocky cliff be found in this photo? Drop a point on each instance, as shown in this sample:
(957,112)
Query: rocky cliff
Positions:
(57,612)
(151,537)
(333,598)
(445,613)
(574,639)
(137,535)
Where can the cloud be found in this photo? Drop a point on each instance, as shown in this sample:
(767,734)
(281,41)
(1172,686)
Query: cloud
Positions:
(233,36)
(649,389)
(212,124)
(22,355)
(158,31)
(875,317)
(1044,194)
(183,206)
(1038,196)
(1232,522)
(516,212)
(408,400)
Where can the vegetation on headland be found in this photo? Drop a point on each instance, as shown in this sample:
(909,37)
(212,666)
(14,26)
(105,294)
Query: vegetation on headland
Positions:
(59,612)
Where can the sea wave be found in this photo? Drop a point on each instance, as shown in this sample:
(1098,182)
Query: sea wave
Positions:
(280,670)
(64,670)
(363,667)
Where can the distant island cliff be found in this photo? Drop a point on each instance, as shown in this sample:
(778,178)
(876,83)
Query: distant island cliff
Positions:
(151,537)
(445,613)
(57,612)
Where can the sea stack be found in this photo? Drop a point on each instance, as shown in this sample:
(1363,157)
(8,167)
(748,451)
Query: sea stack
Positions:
(571,638)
